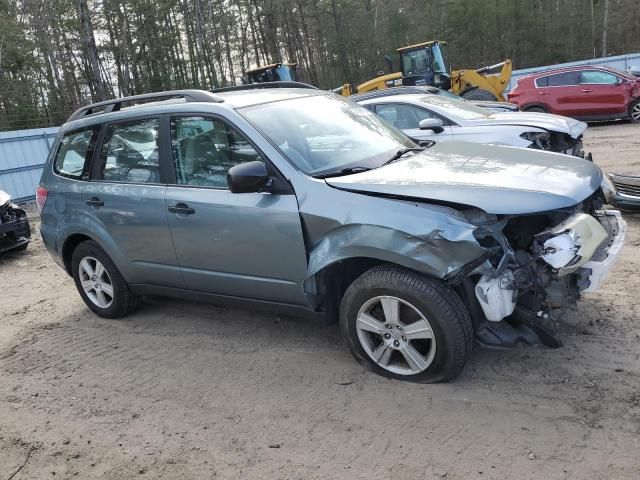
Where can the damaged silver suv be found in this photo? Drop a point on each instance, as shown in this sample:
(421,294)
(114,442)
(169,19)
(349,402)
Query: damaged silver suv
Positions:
(294,198)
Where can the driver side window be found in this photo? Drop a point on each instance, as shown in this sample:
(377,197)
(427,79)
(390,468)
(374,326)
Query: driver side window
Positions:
(205,148)
(404,117)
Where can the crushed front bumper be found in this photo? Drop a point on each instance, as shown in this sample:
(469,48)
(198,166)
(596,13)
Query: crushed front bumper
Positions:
(15,231)
(607,254)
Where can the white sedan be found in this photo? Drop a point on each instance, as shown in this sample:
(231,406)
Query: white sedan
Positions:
(439,118)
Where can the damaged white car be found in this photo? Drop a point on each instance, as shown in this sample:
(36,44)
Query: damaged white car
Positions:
(433,117)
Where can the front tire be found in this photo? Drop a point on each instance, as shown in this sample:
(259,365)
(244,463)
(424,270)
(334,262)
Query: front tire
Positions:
(634,112)
(406,326)
(99,282)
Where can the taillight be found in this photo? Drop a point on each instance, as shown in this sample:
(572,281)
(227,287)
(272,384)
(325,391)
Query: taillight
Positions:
(512,95)
(41,198)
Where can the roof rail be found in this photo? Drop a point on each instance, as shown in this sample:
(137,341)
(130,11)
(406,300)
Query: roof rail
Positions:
(257,86)
(116,104)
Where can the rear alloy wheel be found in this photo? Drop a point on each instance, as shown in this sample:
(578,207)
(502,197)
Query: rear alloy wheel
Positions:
(634,112)
(99,282)
(96,282)
(403,325)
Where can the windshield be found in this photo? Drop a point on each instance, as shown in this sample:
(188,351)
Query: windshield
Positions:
(417,61)
(440,60)
(324,134)
(454,108)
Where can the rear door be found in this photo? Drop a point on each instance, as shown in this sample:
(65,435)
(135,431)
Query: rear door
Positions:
(602,93)
(561,92)
(125,202)
(246,245)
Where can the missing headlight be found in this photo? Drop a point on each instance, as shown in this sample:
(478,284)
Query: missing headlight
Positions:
(539,140)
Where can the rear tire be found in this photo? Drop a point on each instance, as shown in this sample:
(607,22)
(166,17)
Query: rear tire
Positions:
(634,112)
(99,282)
(536,109)
(429,320)
(479,94)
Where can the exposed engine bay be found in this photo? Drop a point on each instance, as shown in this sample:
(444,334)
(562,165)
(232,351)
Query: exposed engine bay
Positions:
(538,267)
(15,231)
(558,142)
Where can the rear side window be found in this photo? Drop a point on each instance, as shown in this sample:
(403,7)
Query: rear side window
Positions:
(542,82)
(563,79)
(74,153)
(403,116)
(598,77)
(129,152)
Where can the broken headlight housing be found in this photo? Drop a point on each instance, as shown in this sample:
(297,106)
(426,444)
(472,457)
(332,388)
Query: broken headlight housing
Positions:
(539,140)
(569,245)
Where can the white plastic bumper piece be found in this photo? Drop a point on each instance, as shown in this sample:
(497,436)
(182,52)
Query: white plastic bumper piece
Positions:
(601,267)
(496,296)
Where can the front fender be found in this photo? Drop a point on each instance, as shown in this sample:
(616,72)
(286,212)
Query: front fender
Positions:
(437,253)
(432,239)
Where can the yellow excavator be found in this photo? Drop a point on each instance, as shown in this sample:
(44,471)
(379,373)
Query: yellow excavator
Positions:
(427,64)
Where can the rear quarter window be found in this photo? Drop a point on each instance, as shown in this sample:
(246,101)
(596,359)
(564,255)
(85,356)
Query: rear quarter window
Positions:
(74,153)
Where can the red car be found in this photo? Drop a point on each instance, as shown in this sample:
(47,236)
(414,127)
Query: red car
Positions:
(585,92)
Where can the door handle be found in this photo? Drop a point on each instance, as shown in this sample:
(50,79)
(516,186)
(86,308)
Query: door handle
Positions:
(182,208)
(586,90)
(95,202)
(543,93)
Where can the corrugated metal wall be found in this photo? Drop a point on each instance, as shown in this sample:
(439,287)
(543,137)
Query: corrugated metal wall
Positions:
(22,156)
(621,62)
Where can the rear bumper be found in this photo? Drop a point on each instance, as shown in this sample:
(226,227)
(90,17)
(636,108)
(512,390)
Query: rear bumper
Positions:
(607,254)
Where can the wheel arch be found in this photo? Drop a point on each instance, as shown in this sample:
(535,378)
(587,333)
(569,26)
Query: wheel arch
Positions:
(331,282)
(68,247)
(75,238)
(526,107)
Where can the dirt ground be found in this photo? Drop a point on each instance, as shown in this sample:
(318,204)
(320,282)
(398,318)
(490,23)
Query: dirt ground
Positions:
(195,391)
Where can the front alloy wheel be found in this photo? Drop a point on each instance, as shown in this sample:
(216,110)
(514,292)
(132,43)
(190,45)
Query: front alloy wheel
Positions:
(404,325)
(396,335)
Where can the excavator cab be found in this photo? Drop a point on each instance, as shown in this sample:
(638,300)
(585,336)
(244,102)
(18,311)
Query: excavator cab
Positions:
(276,72)
(425,64)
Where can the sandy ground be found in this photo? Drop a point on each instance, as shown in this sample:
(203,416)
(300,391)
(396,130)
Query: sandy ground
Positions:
(196,391)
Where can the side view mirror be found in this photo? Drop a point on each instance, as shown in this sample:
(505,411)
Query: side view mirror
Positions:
(434,124)
(247,177)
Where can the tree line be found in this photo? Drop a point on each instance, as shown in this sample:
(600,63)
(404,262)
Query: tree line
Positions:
(56,55)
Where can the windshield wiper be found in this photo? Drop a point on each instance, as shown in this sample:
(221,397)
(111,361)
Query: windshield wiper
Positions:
(401,153)
(344,171)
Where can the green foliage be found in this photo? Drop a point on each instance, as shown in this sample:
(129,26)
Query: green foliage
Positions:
(52,59)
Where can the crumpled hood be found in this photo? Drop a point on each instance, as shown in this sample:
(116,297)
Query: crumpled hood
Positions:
(553,123)
(498,179)
(494,104)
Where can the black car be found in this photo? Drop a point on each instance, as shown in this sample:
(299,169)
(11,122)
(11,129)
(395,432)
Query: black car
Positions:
(15,231)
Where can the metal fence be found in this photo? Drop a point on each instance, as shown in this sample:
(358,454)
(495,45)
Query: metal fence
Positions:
(22,156)
(621,62)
